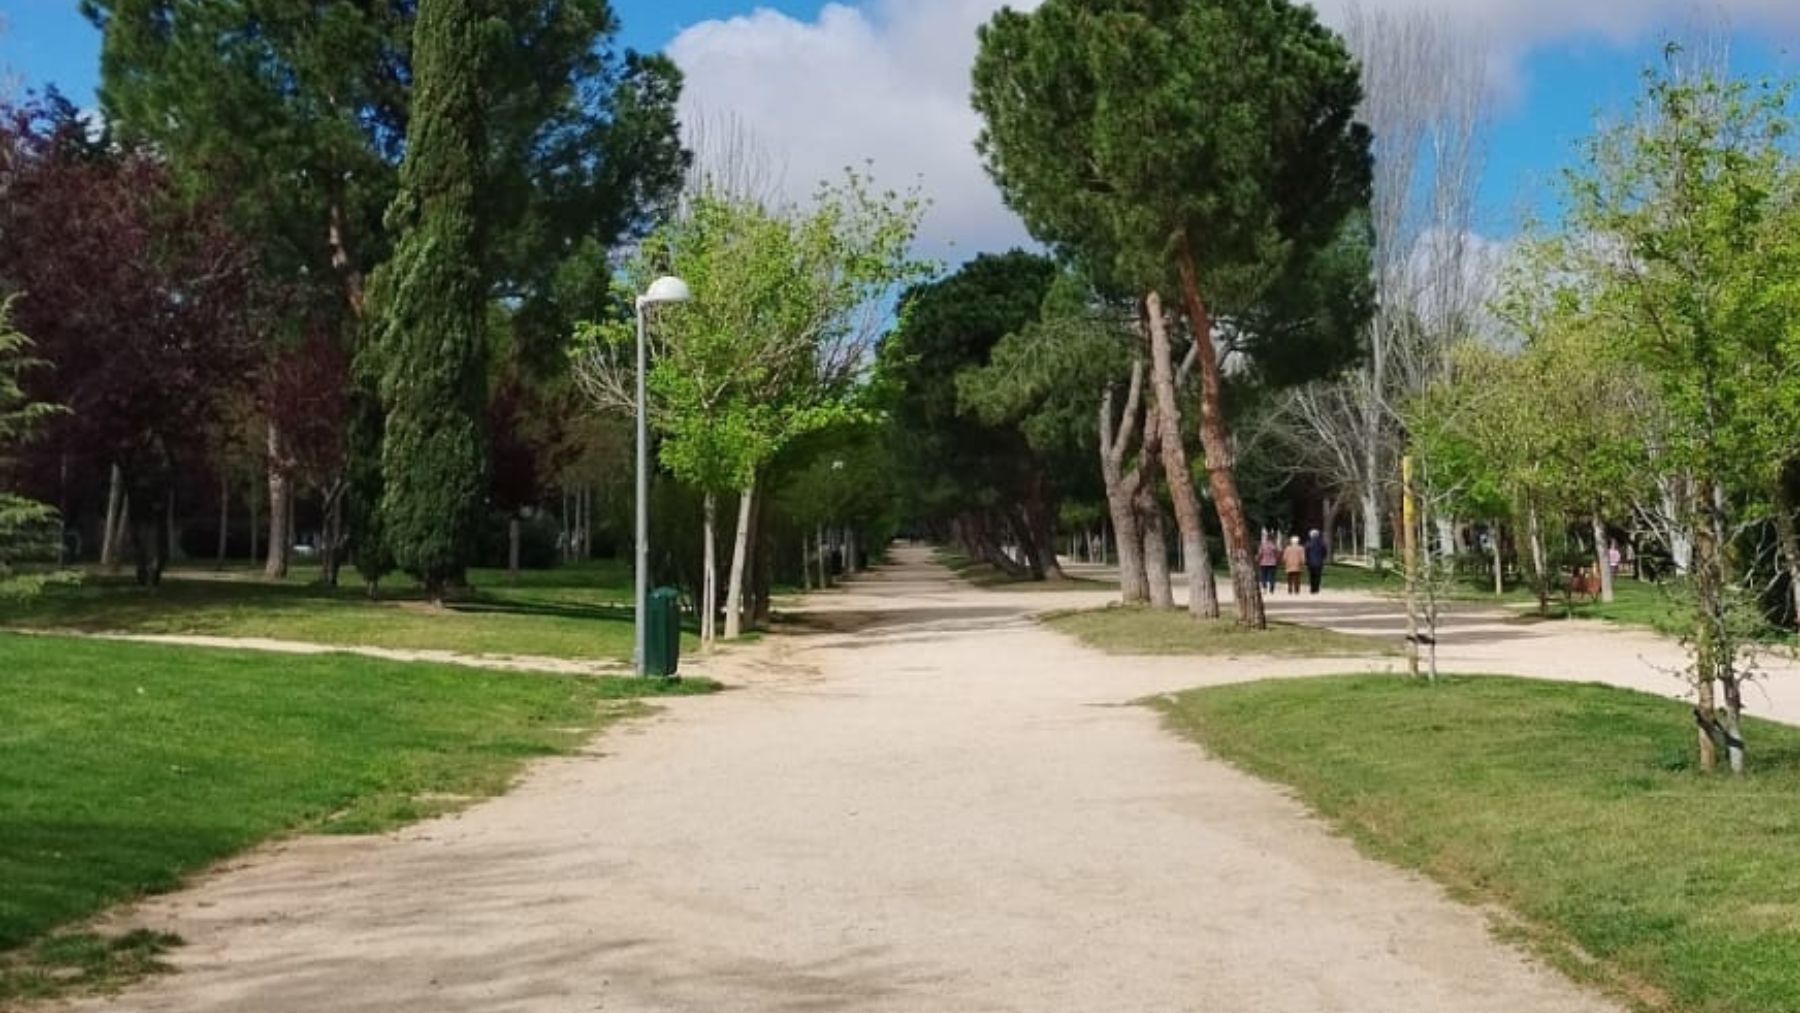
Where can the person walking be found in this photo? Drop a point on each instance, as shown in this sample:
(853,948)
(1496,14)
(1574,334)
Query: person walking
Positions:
(1268,557)
(1293,560)
(1317,552)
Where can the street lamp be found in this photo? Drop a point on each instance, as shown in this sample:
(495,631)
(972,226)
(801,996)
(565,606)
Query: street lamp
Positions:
(662,290)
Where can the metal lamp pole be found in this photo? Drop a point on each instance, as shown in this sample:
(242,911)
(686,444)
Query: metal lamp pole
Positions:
(663,290)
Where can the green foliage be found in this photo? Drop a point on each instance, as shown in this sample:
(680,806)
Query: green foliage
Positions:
(1047,377)
(28,529)
(772,345)
(431,304)
(1125,132)
(953,458)
(130,766)
(1573,807)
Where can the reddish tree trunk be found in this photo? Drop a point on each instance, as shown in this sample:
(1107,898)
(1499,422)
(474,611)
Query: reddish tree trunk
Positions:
(1216,439)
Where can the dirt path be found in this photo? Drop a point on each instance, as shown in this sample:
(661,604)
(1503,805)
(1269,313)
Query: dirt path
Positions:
(941,807)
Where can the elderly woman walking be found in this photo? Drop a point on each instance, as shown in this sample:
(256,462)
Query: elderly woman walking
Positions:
(1293,560)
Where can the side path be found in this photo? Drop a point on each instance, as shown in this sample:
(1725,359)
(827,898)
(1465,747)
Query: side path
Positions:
(932,804)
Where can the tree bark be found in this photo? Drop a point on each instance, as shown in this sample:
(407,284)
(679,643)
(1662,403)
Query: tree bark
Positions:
(740,565)
(1538,563)
(1499,562)
(255,523)
(1156,549)
(512,548)
(1150,517)
(224,518)
(853,565)
(824,556)
(709,570)
(1788,534)
(280,492)
(1037,533)
(1203,592)
(1121,489)
(1601,562)
(1216,439)
(115,520)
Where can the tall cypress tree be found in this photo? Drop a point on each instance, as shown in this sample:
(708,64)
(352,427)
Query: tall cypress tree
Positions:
(431,302)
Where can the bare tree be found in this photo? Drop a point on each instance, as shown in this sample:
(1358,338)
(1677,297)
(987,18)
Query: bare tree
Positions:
(1425,84)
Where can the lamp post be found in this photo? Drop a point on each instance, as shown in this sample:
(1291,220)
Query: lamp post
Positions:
(662,290)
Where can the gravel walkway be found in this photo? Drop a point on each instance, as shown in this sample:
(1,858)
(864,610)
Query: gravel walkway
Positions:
(929,803)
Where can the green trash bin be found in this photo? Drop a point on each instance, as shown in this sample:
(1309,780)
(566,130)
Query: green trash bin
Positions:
(662,633)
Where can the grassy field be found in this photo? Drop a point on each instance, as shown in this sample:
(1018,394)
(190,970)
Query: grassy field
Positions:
(1573,806)
(124,767)
(581,611)
(1145,631)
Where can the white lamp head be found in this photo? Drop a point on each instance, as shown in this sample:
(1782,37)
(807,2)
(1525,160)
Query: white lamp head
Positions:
(666,289)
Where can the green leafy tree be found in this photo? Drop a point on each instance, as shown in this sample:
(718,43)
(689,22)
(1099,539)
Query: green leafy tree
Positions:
(431,306)
(1172,145)
(27,527)
(771,348)
(1684,246)
(982,479)
(296,113)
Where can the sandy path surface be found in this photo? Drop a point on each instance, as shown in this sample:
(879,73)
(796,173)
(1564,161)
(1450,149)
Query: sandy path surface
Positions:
(932,804)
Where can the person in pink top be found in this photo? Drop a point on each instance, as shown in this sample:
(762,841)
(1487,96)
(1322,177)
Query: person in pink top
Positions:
(1268,557)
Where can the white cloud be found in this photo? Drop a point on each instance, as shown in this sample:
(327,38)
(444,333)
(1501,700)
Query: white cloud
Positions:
(887,81)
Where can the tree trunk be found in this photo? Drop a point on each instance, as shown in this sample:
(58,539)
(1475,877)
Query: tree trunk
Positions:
(1540,577)
(255,523)
(332,542)
(709,570)
(1121,488)
(224,518)
(1499,562)
(1156,550)
(1203,592)
(806,573)
(171,541)
(115,520)
(512,548)
(824,556)
(1788,535)
(281,538)
(1602,564)
(740,565)
(1216,439)
(853,565)
(762,565)
(1150,525)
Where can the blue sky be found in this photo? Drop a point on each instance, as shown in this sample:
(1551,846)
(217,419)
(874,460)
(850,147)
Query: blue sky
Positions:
(823,86)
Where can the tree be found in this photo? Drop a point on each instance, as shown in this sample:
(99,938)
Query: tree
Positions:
(295,114)
(145,305)
(27,527)
(784,316)
(980,477)
(1685,225)
(1052,378)
(1195,147)
(432,306)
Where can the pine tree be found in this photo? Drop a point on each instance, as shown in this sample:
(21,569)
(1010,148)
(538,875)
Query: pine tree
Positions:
(431,304)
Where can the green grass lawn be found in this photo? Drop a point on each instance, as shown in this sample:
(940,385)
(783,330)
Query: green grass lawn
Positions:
(124,767)
(579,611)
(1121,630)
(1573,806)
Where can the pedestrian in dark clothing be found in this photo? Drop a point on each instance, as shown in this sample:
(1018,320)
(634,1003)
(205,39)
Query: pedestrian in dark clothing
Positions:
(1317,552)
